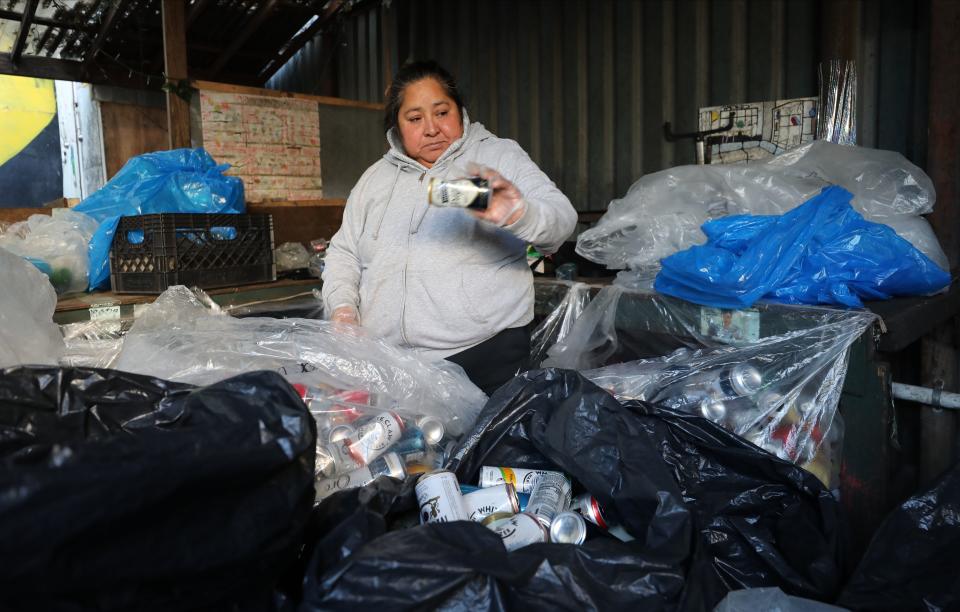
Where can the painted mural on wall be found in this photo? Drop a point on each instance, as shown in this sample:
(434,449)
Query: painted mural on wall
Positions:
(30,167)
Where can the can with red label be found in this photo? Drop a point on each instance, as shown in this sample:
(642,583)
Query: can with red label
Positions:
(371,439)
(519,530)
(588,506)
(439,498)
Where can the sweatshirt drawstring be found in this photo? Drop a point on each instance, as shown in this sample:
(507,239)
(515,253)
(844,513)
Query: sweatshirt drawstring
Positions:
(383,212)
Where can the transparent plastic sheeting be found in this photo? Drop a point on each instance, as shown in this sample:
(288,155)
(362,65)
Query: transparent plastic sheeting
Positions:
(558,323)
(183,336)
(779,390)
(92,344)
(662,212)
(56,244)
(28,334)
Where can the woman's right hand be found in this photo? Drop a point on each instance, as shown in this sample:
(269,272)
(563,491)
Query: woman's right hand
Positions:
(345,315)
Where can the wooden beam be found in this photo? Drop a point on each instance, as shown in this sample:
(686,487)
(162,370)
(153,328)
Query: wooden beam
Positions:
(195,9)
(271,67)
(274,93)
(70,70)
(28,13)
(43,21)
(116,8)
(175,68)
(40,67)
(238,41)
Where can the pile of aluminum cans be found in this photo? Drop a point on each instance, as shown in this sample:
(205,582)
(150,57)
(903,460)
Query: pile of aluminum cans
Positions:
(360,437)
(521,506)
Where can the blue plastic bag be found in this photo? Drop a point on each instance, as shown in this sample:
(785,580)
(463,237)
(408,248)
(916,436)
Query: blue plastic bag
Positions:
(822,252)
(178,181)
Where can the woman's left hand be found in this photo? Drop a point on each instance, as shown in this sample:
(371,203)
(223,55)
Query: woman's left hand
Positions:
(506,204)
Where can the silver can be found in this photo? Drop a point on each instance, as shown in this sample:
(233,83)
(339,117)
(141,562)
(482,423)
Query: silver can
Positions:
(468,192)
(439,498)
(432,428)
(341,432)
(389,464)
(519,530)
(568,528)
(549,498)
(484,502)
(337,458)
(523,480)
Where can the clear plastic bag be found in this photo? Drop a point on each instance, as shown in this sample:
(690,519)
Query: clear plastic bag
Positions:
(291,256)
(56,244)
(558,323)
(662,212)
(362,435)
(93,344)
(184,336)
(28,334)
(772,375)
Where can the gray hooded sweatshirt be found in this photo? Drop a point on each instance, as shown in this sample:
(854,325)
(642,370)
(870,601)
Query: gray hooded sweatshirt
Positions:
(438,279)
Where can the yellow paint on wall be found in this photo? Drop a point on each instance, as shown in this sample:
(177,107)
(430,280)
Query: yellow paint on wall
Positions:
(27,106)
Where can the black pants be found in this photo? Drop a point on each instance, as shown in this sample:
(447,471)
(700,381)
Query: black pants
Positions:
(495,361)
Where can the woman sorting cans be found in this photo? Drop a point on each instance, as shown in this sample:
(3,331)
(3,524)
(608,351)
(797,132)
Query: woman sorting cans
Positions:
(450,281)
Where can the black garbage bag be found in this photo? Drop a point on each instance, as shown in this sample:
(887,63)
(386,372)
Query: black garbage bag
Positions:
(125,492)
(912,562)
(710,512)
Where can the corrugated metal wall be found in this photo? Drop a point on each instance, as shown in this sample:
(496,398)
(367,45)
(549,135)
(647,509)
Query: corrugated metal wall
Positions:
(585,87)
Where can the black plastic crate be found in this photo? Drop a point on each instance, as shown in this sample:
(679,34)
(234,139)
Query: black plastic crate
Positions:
(152,252)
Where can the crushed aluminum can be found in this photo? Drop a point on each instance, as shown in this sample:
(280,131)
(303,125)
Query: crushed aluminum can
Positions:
(389,464)
(568,528)
(484,502)
(519,530)
(439,498)
(549,498)
(468,192)
(522,479)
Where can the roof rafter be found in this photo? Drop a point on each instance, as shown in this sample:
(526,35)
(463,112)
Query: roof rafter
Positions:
(28,12)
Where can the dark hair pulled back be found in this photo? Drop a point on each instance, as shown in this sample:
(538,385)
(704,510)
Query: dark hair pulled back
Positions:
(411,72)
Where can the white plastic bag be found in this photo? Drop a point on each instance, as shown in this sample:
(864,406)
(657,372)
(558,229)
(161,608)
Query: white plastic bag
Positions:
(58,243)
(662,212)
(185,337)
(28,334)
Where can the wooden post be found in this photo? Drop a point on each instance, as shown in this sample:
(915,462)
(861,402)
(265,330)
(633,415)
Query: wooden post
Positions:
(940,362)
(175,68)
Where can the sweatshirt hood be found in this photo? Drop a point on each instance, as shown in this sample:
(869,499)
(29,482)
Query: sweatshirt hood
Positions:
(472,133)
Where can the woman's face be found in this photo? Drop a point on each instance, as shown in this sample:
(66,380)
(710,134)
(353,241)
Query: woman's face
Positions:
(429,121)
